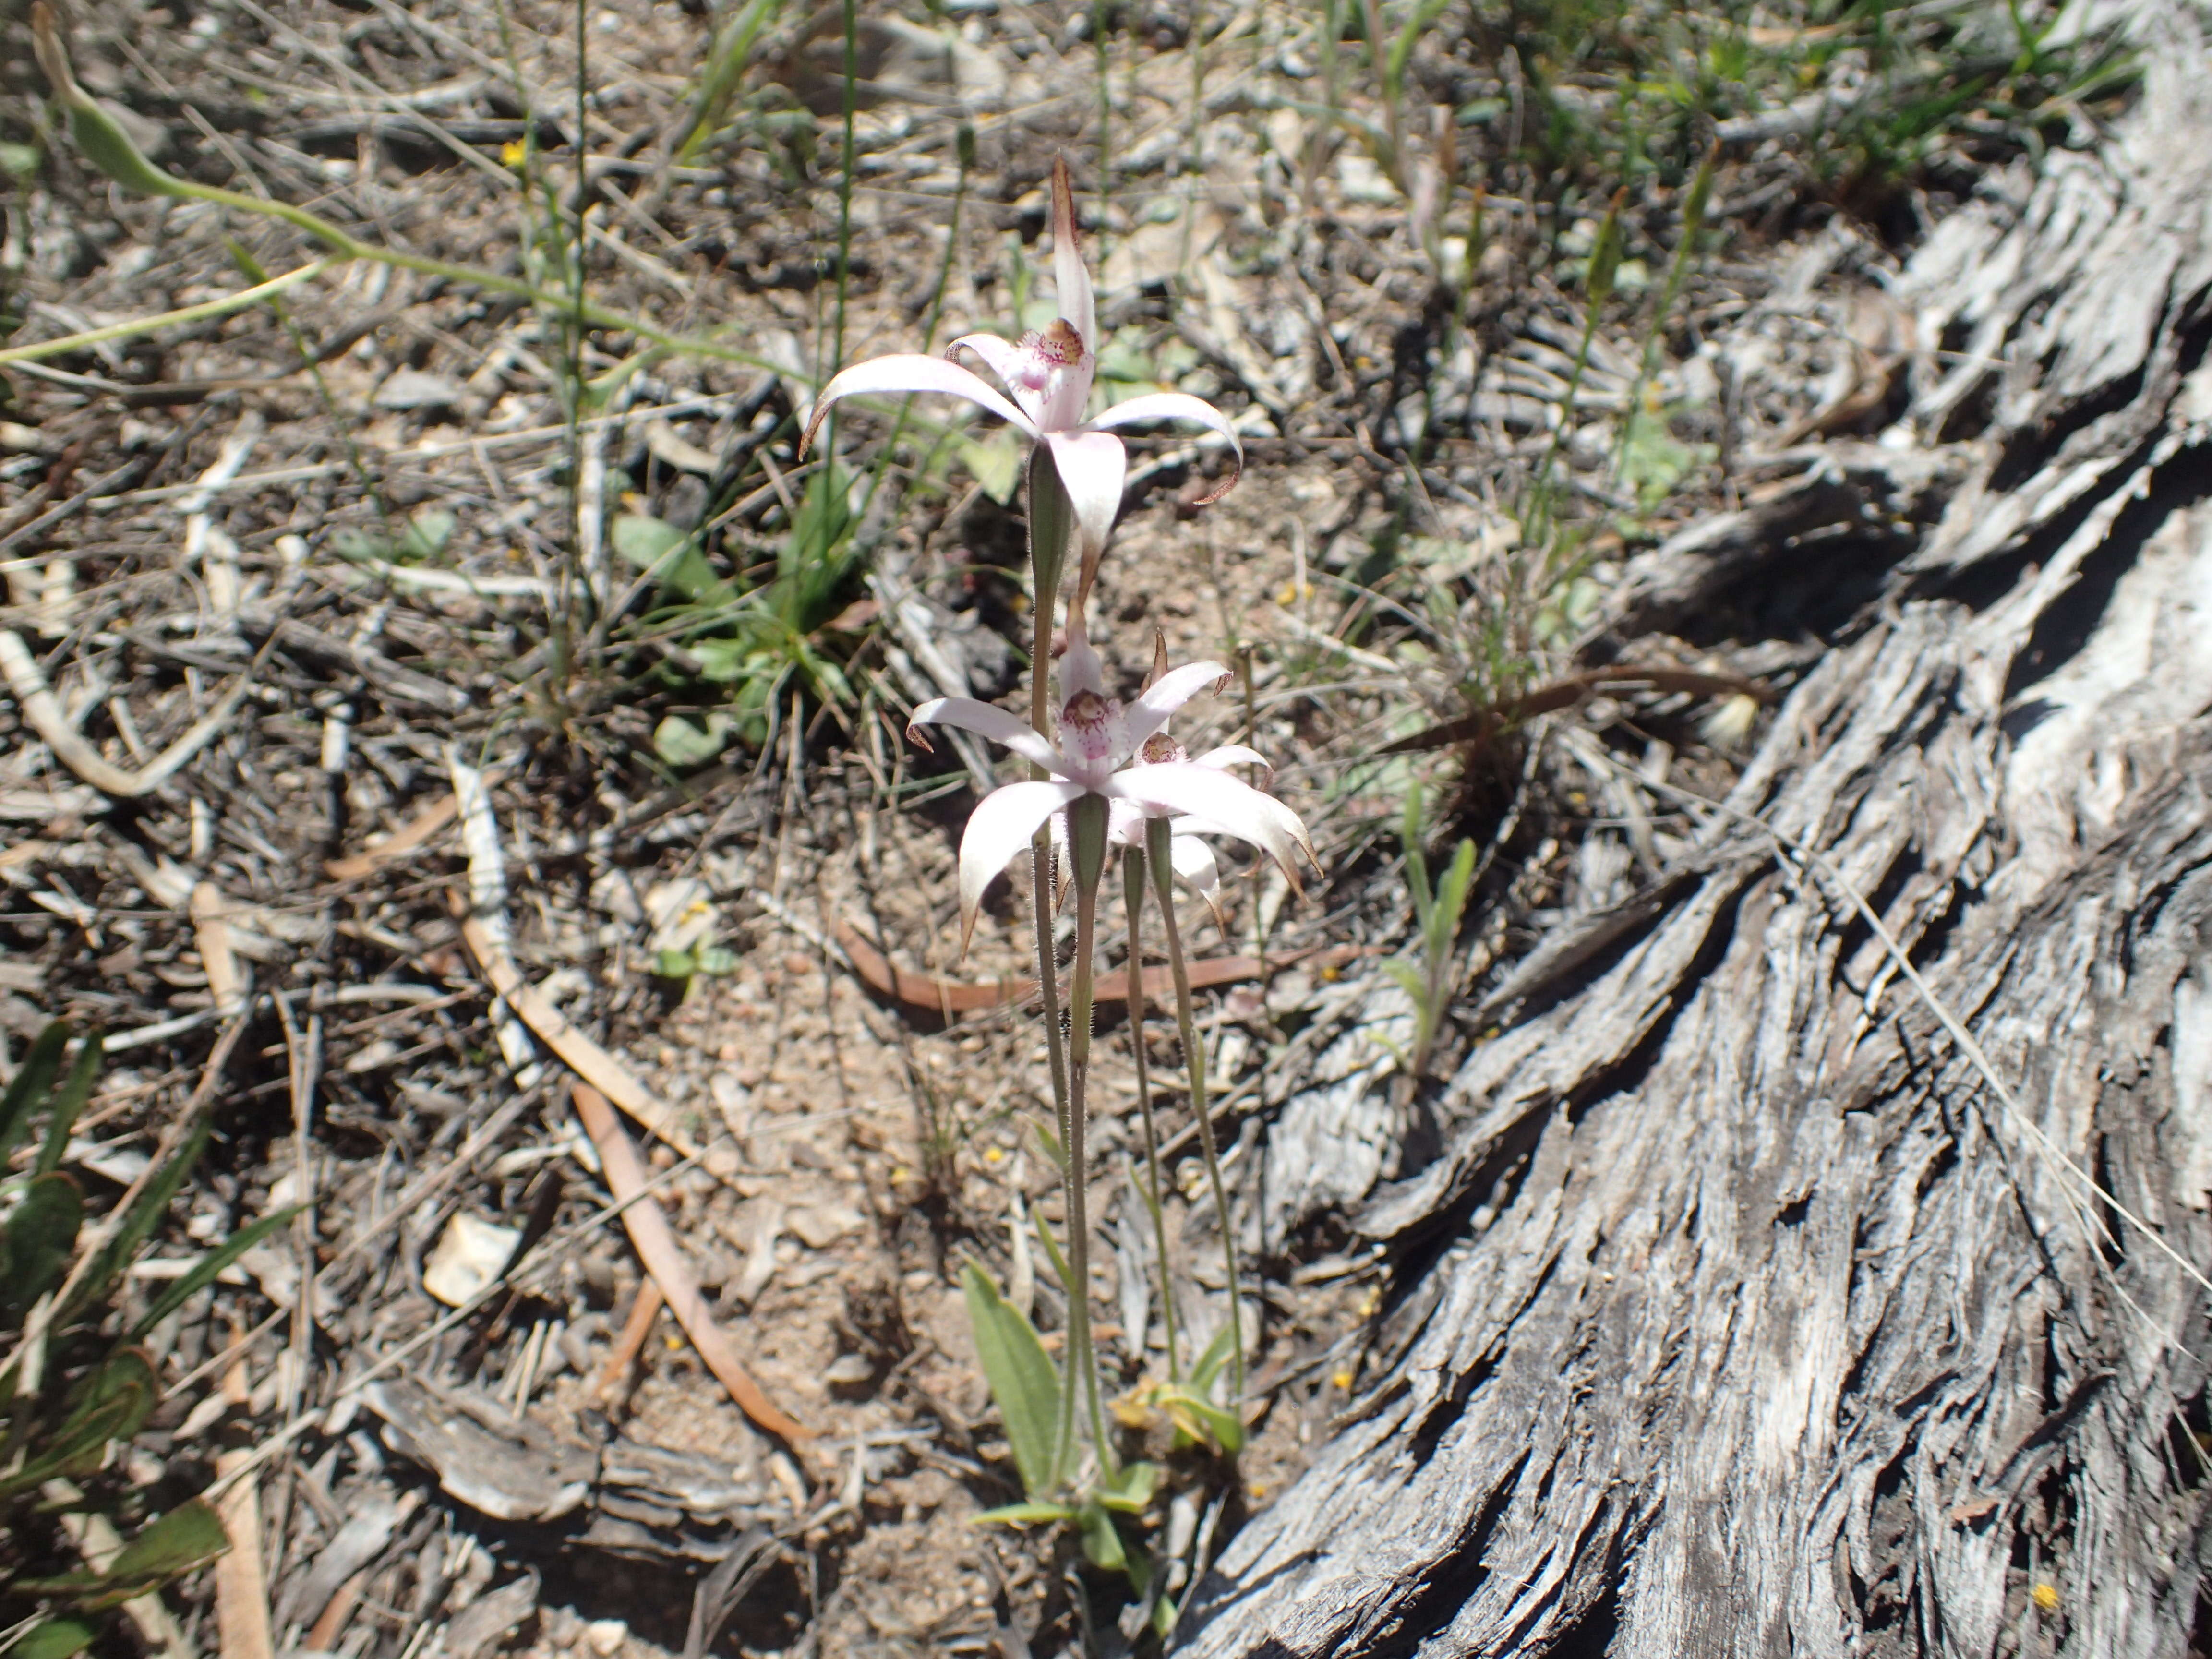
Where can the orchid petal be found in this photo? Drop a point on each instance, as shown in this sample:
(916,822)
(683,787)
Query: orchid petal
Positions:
(1092,464)
(1179,406)
(1193,860)
(1150,711)
(1232,807)
(1234,754)
(1001,825)
(1009,732)
(910,371)
(1071,281)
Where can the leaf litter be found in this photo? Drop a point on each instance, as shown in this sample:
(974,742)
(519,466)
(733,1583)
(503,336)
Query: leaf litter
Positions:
(296,727)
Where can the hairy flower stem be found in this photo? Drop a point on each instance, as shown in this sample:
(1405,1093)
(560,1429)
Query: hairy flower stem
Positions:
(1132,900)
(1157,833)
(1086,839)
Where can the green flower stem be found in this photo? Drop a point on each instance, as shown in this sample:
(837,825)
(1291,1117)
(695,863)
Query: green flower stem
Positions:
(1132,900)
(1052,520)
(1157,832)
(1086,838)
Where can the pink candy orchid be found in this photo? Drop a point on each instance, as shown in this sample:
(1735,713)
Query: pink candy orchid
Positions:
(1115,752)
(1048,373)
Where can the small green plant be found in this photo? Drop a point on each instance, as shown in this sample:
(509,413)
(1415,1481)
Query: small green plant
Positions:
(1029,1390)
(757,642)
(1428,980)
(75,1379)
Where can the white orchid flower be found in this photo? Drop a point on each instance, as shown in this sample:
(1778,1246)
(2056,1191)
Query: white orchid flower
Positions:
(1106,748)
(1048,373)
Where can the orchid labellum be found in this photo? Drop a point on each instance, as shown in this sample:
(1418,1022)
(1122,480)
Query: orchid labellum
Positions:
(1046,374)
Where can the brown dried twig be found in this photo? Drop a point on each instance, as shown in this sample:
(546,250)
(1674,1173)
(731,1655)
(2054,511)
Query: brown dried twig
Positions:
(663,1258)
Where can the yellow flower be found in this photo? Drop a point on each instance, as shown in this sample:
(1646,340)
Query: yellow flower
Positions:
(993,1155)
(511,153)
(2046,1597)
(1342,1379)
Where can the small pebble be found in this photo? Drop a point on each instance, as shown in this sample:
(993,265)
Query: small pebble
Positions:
(605,1636)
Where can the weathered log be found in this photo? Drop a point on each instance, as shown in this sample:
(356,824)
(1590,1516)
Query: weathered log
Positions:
(1739,1313)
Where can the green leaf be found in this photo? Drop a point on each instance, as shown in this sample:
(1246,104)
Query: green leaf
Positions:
(425,536)
(1131,1491)
(420,541)
(69,1102)
(202,1274)
(1023,1379)
(680,742)
(103,141)
(1605,257)
(1048,1139)
(111,1406)
(57,1639)
(996,461)
(185,1539)
(674,964)
(31,1082)
(40,1237)
(671,555)
(134,1228)
(1216,1355)
(1052,1253)
(1409,979)
(1200,1421)
(1653,461)
(1025,1515)
(1101,1541)
(1452,897)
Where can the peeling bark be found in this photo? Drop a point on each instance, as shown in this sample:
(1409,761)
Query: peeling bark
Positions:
(1736,1315)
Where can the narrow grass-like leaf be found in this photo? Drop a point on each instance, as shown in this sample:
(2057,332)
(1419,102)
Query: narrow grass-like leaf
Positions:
(40,1237)
(202,1274)
(137,1224)
(67,1102)
(1025,1515)
(185,1539)
(31,1080)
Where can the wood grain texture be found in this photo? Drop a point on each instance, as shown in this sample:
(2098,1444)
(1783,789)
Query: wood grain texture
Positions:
(1734,1315)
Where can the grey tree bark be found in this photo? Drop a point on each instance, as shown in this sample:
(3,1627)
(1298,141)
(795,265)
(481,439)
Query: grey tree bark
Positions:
(1754,1321)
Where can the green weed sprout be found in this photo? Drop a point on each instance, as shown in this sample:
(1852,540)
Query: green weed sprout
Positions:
(1429,980)
(72,1383)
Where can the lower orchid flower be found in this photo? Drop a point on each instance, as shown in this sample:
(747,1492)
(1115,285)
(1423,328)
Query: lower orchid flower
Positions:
(1114,751)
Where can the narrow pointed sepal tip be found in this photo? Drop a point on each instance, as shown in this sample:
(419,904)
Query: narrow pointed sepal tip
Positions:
(920,738)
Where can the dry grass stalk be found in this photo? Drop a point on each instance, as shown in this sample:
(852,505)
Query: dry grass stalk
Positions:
(242,1599)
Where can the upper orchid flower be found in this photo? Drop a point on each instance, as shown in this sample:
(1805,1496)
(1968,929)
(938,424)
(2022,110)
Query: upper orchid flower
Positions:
(1048,374)
(1097,738)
